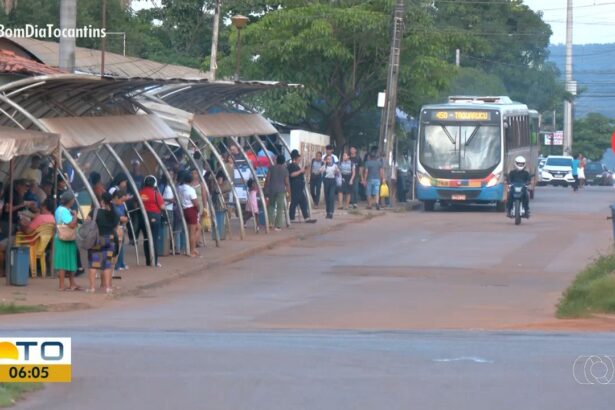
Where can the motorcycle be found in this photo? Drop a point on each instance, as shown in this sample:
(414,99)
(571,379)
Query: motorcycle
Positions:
(518,211)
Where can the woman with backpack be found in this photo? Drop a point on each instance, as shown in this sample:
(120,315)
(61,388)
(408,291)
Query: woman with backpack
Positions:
(100,256)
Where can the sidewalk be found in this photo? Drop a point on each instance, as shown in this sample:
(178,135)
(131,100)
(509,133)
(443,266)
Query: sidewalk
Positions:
(138,279)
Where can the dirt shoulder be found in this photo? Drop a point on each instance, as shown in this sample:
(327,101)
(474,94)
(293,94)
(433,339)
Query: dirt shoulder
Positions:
(139,279)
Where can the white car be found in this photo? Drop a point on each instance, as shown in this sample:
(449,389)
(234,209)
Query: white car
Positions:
(557,171)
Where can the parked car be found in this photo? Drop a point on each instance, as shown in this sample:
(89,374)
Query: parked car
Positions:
(541,165)
(557,171)
(597,173)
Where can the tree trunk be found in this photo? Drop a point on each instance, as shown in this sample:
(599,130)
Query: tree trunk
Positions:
(335,128)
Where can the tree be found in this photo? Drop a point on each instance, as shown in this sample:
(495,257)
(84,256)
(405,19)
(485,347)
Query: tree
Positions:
(592,135)
(506,39)
(339,52)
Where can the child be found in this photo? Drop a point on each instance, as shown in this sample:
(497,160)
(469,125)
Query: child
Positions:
(251,209)
(118,201)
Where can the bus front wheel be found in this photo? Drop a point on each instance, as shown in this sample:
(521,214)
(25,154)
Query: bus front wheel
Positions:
(429,206)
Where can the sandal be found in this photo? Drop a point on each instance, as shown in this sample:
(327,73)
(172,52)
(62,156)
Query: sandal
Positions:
(109,291)
(90,290)
(76,288)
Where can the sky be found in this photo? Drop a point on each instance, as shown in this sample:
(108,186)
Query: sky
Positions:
(594,20)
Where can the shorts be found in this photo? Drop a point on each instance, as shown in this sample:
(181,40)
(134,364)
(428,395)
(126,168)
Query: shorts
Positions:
(192,215)
(373,187)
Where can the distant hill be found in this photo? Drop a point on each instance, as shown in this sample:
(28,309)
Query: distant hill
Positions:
(594,70)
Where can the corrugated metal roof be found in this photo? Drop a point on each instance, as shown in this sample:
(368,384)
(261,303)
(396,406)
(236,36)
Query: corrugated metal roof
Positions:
(233,125)
(116,65)
(16,142)
(78,132)
(14,64)
(180,121)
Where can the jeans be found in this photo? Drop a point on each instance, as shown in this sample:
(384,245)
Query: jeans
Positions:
(297,197)
(154,223)
(315,187)
(119,263)
(276,209)
(330,187)
(354,197)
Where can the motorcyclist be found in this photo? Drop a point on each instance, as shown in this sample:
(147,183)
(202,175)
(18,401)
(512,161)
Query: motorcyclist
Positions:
(519,175)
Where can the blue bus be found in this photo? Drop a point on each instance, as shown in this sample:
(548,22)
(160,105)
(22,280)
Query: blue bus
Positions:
(466,147)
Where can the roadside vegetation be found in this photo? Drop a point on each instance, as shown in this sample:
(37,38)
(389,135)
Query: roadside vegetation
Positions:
(11,392)
(593,290)
(11,308)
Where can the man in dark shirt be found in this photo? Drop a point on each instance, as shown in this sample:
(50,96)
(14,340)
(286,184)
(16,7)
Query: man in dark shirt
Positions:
(358,166)
(297,188)
(519,176)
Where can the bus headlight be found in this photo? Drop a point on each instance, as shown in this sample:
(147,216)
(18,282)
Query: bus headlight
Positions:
(494,180)
(424,179)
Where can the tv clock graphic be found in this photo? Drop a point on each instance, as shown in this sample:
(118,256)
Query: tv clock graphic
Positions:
(35,360)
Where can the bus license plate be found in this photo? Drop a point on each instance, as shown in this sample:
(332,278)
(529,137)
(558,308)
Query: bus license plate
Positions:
(459,197)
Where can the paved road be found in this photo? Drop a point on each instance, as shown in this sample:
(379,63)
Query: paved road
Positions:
(325,322)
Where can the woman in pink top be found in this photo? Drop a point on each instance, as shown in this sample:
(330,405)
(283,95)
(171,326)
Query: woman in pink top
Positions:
(43,217)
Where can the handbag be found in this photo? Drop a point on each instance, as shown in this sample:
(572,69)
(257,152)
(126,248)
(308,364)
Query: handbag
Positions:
(384,190)
(66,233)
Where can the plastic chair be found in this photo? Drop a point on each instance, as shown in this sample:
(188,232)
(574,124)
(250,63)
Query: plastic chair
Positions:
(37,241)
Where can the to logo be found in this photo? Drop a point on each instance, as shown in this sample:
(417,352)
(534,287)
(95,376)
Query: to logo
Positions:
(35,359)
(47,351)
(595,369)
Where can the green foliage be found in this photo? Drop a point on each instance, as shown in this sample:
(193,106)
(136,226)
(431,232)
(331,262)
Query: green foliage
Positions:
(12,392)
(508,40)
(592,135)
(11,308)
(593,290)
(339,52)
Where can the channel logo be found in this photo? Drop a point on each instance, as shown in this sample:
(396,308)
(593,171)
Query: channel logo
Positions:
(594,369)
(35,359)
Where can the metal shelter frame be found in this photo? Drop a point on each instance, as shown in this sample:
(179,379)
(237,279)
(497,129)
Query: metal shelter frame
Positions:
(26,102)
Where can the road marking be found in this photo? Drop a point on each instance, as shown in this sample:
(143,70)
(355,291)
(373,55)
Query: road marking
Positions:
(465,359)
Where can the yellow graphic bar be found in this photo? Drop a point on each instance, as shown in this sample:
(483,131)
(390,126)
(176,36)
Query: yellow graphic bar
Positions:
(37,373)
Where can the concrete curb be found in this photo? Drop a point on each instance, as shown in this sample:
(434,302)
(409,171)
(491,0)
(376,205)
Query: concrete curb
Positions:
(203,268)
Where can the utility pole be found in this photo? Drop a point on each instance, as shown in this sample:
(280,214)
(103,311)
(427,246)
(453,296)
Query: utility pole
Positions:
(571,86)
(68,20)
(387,121)
(213,65)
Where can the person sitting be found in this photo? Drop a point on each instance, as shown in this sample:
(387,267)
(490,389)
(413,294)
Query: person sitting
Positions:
(41,216)
(519,176)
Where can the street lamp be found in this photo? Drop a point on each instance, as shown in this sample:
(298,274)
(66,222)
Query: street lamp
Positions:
(239,22)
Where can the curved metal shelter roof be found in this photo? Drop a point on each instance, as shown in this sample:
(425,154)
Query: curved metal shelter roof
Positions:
(233,124)
(78,132)
(17,142)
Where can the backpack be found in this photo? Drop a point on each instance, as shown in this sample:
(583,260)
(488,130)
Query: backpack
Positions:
(87,234)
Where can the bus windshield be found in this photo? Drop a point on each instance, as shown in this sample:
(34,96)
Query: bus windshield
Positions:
(461,147)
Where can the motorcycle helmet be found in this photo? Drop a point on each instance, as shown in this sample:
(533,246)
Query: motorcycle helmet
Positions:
(520,163)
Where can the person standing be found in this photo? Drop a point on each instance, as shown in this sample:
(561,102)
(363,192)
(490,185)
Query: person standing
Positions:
(100,257)
(347,170)
(297,188)
(154,204)
(358,173)
(277,185)
(119,208)
(329,150)
(316,178)
(65,251)
(330,172)
(581,171)
(190,206)
(575,173)
(373,176)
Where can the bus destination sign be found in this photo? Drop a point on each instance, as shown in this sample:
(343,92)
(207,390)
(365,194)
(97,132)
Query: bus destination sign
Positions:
(451,115)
